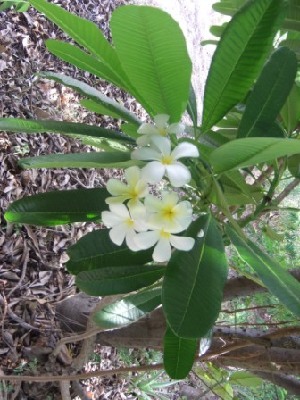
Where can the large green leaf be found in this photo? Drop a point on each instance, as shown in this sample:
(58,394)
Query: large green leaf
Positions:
(290,112)
(152,50)
(85,33)
(96,250)
(238,59)
(245,152)
(116,280)
(69,128)
(279,282)
(129,309)
(58,207)
(269,93)
(179,355)
(200,274)
(82,60)
(228,7)
(94,94)
(294,165)
(116,159)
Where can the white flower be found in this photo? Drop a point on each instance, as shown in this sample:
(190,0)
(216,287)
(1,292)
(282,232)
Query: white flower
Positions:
(124,224)
(168,212)
(165,162)
(135,189)
(160,128)
(163,240)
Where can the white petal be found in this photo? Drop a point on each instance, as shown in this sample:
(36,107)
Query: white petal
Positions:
(177,128)
(185,149)
(162,251)
(147,129)
(153,172)
(141,188)
(116,187)
(119,209)
(161,120)
(115,199)
(183,209)
(170,198)
(130,241)
(178,174)
(145,240)
(163,145)
(117,234)
(145,153)
(152,203)
(182,243)
(132,175)
(110,219)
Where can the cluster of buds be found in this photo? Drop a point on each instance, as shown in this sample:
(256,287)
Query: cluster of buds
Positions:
(136,216)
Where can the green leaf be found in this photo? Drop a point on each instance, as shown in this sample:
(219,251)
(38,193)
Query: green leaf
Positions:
(85,33)
(228,7)
(192,107)
(98,108)
(68,128)
(292,21)
(278,281)
(82,60)
(200,274)
(269,93)
(294,165)
(96,250)
(244,378)
(116,159)
(245,152)
(106,102)
(239,57)
(58,207)
(290,112)
(236,190)
(116,280)
(129,309)
(152,50)
(179,355)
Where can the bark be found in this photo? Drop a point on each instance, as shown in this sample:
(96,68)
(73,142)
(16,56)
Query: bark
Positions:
(273,353)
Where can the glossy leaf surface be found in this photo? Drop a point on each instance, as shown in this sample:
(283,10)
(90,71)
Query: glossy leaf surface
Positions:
(152,50)
(80,160)
(238,59)
(116,280)
(242,153)
(200,274)
(269,93)
(179,355)
(58,207)
(96,250)
(129,309)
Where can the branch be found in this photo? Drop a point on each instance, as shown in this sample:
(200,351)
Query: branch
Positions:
(291,186)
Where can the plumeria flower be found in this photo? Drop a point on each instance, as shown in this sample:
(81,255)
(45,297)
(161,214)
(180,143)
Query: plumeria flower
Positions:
(124,224)
(160,128)
(163,240)
(168,212)
(135,189)
(165,162)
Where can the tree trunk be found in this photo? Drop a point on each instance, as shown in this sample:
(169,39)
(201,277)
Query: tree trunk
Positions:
(273,355)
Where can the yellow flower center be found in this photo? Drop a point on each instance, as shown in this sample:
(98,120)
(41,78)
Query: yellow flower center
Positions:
(129,222)
(167,160)
(162,131)
(168,212)
(164,234)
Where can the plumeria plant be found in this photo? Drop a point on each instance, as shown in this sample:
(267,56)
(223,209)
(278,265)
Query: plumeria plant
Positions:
(186,189)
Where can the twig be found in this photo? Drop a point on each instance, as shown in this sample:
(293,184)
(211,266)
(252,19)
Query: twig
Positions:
(291,186)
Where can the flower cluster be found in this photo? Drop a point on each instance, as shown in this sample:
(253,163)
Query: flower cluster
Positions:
(136,216)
